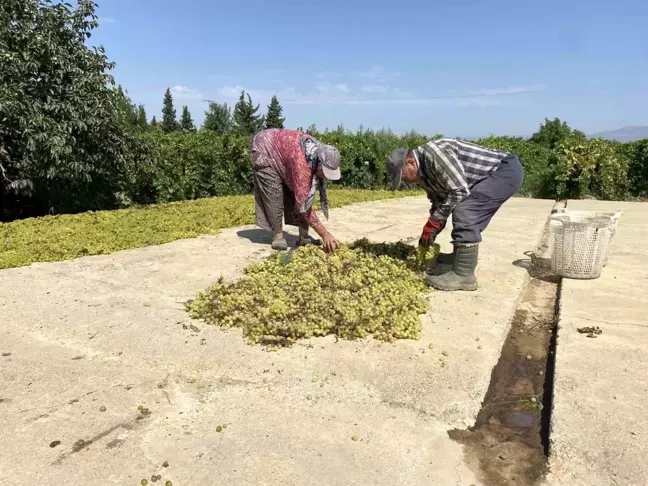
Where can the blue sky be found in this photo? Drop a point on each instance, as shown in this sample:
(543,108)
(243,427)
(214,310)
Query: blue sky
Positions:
(462,67)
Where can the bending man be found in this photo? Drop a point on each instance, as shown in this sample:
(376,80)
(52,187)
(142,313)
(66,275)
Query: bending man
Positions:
(466,181)
(288,166)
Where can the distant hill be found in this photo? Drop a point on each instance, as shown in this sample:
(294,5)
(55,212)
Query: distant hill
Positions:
(625,134)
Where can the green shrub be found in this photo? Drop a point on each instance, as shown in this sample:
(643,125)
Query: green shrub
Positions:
(637,155)
(591,168)
(358,161)
(183,166)
(201,164)
(364,154)
(538,162)
(137,179)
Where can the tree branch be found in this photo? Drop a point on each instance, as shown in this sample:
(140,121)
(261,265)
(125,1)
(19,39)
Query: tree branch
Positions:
(4,173)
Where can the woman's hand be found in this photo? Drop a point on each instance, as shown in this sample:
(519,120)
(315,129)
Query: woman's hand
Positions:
(330,243)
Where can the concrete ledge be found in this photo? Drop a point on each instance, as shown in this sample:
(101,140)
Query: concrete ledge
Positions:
(599,432)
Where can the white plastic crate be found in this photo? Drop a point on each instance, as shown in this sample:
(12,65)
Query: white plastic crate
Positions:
(580,244)
(586,216)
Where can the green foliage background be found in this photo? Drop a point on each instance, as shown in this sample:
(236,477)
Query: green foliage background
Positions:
(192,165)
(72,141)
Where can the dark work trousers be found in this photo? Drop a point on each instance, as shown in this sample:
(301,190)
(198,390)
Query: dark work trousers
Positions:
(473,214)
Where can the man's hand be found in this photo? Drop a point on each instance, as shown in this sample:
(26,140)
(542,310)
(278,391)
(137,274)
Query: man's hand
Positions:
(330,243)
(430,231)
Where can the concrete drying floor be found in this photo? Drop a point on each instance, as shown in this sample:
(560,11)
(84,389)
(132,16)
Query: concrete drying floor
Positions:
(122,317)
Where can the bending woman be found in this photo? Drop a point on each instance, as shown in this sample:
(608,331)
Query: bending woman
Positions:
(288,166)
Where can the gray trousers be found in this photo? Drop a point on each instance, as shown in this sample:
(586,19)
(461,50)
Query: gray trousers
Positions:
(474,213)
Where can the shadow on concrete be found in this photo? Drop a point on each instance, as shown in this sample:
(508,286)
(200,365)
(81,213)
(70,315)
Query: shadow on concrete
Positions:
(264,237)
(539,268)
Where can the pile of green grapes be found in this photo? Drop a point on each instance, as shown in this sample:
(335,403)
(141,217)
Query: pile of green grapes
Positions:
(361,289)
(415,258)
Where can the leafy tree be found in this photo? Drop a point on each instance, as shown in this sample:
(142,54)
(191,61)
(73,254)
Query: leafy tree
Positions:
(186,123)
(142,121)
(274,118)
(127,108)
(246,119)
(154,122)
(218,118)
(63,143)
(169,121)
(553,132)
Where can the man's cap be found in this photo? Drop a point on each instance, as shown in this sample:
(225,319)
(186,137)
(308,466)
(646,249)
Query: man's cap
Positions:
(329,157)
(395,164)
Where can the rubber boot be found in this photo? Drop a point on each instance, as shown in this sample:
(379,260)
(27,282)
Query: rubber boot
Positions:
(443,263)
(462,275)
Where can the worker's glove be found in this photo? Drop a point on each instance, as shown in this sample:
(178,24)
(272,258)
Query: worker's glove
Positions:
(430,231)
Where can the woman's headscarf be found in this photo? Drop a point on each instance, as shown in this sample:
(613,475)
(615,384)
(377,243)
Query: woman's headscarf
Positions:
(316,152)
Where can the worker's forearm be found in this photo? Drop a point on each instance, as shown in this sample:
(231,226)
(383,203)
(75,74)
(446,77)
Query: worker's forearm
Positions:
(319,229)
(314,222)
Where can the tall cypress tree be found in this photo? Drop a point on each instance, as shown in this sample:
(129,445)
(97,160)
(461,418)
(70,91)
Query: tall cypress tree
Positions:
(142,121)
(169,121)
(246,119)
(186,123)
(274,118)
(154,122)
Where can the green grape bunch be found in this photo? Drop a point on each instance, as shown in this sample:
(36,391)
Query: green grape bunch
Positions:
(362,289)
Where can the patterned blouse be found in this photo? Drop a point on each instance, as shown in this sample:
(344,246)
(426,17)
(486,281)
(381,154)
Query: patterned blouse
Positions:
(292,154)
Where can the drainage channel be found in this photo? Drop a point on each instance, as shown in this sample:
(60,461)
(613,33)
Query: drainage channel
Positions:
(509,442)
